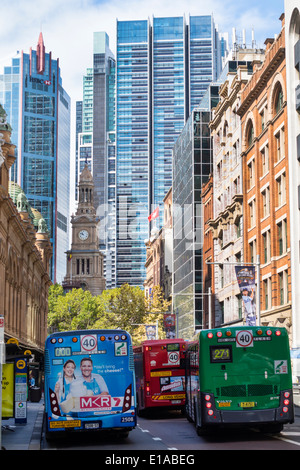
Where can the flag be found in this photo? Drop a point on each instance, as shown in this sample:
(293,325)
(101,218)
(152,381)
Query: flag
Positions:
(154,214)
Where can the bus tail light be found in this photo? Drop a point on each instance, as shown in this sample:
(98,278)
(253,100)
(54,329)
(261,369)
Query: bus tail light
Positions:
(127,399)
(148,388)
(277,332)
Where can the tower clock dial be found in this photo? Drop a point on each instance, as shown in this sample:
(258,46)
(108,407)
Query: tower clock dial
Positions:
(83,234)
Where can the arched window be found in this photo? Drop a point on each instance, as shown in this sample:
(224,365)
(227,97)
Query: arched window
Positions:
(278,99)
(249,134)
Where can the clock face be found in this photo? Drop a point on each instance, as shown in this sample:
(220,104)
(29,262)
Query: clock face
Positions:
(83,234)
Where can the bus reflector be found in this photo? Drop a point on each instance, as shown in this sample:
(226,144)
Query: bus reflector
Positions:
(259,332)
(102,338)
(74,339)
(228,333)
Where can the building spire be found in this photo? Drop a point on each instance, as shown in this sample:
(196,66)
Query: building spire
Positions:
(40,54)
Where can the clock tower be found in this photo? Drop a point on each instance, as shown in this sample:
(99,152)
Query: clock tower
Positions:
(84,259)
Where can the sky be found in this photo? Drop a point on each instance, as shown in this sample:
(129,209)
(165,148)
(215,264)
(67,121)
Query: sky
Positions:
(68,27)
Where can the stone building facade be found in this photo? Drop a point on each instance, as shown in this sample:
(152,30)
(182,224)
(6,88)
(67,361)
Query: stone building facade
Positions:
(25,253)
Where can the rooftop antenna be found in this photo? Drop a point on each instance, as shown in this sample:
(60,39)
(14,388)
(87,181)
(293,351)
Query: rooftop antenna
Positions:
(244,39)
(253,40)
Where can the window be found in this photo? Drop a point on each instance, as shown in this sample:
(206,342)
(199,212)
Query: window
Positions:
(266,246)
(280,141)
(263,118)
(266,201)
(283,287)
(281,189)
(282,237)
(252,211)
(278,99)
(250,134)
(253,251)
(251,174)
(267,293)
(264,155)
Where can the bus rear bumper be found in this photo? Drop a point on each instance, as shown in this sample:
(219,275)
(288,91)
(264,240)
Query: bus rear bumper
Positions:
(251,417)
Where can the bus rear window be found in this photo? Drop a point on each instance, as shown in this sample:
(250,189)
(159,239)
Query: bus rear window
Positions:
(220,354)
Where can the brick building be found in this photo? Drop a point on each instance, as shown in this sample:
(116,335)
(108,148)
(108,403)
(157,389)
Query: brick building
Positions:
(263,113)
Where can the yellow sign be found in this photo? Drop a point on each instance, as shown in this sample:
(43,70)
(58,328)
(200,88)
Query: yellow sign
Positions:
(12,341)
(21,364)
(65,424)
(8,391)
(166,373)
(178,396)
(27,352)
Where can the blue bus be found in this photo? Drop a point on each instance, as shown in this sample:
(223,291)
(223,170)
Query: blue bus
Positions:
(89,382)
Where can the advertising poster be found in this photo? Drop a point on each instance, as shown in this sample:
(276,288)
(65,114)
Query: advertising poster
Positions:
(246,280)
(8,390)
(90,378)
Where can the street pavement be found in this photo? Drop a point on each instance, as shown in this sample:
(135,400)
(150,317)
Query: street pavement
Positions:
(28,436)
(24,436)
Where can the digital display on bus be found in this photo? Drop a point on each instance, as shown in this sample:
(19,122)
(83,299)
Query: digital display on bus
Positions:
(173,347)
(62,352)
(220,354)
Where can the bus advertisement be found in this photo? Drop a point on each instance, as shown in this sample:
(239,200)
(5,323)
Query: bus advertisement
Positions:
(239,376)
(160,374)
(89,382)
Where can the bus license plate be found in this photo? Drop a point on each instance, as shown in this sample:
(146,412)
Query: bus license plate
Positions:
(92,425)
(247,404)
(176,402)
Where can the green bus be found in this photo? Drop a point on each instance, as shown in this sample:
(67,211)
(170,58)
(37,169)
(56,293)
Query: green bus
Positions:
(239,376)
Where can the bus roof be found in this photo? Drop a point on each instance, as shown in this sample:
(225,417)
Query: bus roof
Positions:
(90,332)
(161,342)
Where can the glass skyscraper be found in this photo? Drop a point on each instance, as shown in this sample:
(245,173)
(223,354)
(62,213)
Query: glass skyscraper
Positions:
(163,70)
(95,129)
(38,109)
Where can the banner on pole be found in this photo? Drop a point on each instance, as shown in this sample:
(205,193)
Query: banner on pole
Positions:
(246,280)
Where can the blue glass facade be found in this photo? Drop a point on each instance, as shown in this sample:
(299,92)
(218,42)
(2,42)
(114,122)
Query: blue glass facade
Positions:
(163,69)
(31,92)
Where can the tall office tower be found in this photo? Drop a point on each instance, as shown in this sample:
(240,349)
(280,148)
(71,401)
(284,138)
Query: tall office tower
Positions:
(96,144)
(163,70)
(85,128)
(78,130)
(104,163)
(39,109)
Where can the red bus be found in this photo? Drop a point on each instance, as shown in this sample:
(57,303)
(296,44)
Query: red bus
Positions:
(160,374)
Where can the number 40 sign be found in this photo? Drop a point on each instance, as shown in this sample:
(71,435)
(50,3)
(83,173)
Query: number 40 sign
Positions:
(244,339)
